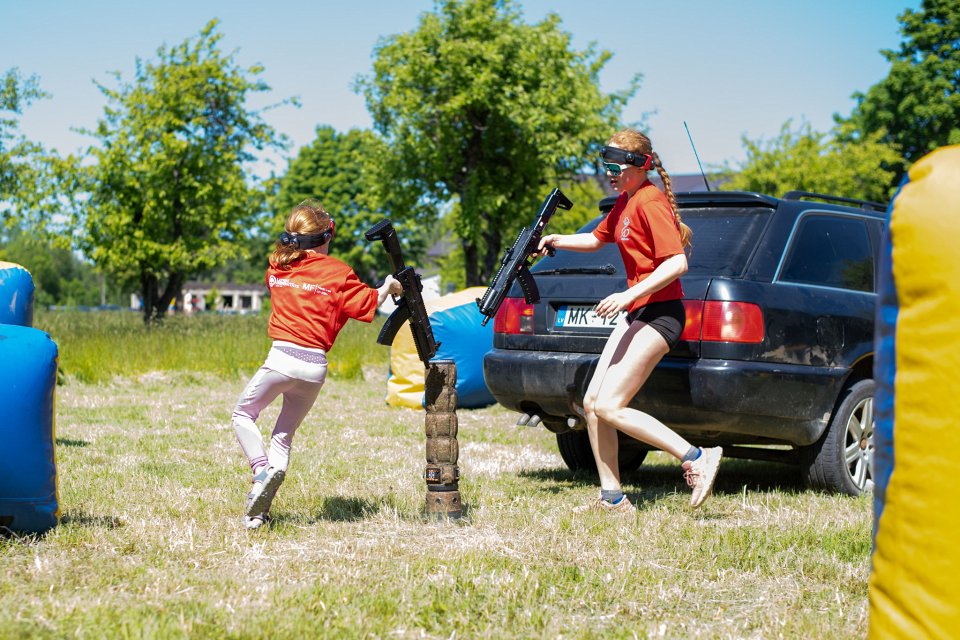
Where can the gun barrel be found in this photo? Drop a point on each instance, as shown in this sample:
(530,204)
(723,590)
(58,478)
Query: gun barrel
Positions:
(515,263)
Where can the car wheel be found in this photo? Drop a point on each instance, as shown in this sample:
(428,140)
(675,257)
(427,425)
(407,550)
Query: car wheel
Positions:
(575,450)
(842,459)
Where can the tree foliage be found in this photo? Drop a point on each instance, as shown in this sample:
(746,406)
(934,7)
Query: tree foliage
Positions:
(21,161)
(479,107)
(168,194)
(917,106)
(338,169)
(60,277)
(806,160)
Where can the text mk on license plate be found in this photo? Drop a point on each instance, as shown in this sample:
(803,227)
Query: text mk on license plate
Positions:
(583,316)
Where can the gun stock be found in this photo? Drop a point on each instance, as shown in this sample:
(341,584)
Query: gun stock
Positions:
(410,305)
(515,263)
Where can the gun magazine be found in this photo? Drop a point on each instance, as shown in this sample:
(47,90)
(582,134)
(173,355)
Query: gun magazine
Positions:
(393,323)
(531,294)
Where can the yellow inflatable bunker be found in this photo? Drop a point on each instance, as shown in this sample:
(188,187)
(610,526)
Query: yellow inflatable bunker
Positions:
(915,582)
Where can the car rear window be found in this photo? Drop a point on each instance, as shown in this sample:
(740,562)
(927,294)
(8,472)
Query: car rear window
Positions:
(723,239)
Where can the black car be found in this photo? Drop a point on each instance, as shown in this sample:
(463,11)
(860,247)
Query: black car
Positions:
(777,348)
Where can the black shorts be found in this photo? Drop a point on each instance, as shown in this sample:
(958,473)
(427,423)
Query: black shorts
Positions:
(667,317)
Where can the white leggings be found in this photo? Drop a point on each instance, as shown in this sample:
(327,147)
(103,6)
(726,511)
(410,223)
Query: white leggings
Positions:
(263,388)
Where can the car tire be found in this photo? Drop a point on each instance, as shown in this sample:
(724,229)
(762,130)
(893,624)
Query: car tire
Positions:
(841,460)
(574,447)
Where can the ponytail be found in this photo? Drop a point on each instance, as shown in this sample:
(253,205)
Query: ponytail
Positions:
(308,217)
(685,232)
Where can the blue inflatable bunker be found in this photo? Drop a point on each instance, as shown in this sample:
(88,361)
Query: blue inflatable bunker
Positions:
(28,478)
(28,378)
(455,321)
(16,295)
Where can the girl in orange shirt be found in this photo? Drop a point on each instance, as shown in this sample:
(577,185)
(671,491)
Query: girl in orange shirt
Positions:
(645,224)
(312,297)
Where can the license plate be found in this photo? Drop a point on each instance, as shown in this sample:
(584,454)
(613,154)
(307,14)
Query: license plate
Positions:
(583,316)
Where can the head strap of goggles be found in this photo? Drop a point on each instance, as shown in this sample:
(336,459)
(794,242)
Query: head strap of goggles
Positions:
(307,240)
(622,156)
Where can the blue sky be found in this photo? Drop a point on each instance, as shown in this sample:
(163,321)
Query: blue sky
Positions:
(728,69)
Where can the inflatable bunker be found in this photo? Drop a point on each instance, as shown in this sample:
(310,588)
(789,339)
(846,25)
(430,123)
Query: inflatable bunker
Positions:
(16,295)
(28,378)
(455,320)
(914,589)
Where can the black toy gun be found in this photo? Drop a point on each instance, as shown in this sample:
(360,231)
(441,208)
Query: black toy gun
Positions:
(410,305)
(515,264)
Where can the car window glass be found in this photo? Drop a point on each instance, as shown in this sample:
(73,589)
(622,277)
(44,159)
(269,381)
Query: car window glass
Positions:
(723,239)
(831,251)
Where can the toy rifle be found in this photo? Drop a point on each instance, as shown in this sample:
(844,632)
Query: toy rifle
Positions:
(515,264)
(410,305)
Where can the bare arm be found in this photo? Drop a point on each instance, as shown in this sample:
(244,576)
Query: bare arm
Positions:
(570,242)
(668,271)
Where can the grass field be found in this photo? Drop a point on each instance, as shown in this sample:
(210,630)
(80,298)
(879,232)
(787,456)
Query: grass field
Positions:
(151,546)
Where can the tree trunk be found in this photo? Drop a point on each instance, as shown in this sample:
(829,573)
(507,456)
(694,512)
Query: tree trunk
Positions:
(148,296)
(470,263)
(491,256)
(155,303)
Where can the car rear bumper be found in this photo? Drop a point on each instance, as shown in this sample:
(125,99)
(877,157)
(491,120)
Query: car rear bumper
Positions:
(722,401)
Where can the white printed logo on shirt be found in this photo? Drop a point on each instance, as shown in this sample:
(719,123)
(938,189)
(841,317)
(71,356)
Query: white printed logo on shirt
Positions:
(625,232)
(309,287)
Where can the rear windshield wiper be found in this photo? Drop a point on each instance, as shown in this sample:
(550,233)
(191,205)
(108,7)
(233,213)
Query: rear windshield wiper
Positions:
(607,268)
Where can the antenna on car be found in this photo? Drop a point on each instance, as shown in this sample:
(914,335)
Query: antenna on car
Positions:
(696,155)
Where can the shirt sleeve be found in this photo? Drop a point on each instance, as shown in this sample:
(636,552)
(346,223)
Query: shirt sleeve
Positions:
(664,230)
(605,231)
(359,299)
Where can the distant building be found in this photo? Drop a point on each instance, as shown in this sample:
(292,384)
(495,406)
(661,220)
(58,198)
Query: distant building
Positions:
(225,298)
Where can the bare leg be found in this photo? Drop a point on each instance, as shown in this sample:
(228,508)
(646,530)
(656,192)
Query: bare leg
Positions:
(630,354)
(603,437)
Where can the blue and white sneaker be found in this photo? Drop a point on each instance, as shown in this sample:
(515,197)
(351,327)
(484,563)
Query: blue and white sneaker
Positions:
(265,485)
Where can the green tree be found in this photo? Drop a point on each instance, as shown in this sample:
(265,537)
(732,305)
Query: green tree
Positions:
(60,277)
(21,161)
(806,160)
(479,107)
(337,169)
(917,106)
(169,195)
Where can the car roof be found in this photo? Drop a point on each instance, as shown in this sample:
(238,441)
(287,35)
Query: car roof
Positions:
(805,199)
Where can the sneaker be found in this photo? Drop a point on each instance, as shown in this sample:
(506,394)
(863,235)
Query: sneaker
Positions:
(701,473)
(599,505)
(265,485)
(255,522)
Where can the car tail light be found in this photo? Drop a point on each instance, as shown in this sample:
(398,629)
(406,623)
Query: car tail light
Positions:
(722,321)
(694,313)
(514,316)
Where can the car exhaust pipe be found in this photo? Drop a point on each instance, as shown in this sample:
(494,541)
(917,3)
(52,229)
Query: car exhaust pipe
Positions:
(523,420)
(534,421)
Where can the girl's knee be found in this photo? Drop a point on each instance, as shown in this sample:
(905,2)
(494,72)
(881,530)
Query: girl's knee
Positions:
(590,404)
(607,409)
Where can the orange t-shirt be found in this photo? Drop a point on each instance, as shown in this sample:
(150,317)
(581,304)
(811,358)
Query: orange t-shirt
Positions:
(313,298)
(647,233)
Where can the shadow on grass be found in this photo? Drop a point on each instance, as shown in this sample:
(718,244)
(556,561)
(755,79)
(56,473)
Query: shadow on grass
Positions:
(652,482)
(81,519)
(351,509)
(67,442)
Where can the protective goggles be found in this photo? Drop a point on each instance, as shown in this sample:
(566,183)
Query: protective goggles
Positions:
(615,160)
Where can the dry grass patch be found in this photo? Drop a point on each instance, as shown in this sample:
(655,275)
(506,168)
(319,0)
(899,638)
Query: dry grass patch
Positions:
(152,484)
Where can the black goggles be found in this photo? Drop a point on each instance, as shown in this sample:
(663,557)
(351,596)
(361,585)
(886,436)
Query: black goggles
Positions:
(614,159)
